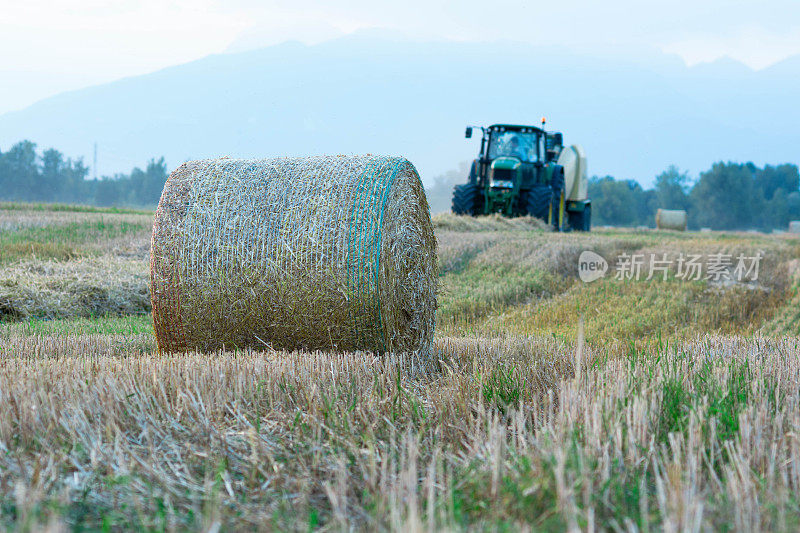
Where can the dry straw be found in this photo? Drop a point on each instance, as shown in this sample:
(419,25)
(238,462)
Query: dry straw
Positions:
(309,253)
(96,286)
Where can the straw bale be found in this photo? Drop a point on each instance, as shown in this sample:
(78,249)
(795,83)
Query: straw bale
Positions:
(673,219)
(334,253)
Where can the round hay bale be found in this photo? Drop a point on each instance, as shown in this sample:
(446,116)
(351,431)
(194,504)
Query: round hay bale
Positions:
(794,226)
(330,253)
(674,219)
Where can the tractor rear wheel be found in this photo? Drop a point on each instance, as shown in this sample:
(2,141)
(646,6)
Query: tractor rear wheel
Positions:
(581,220)
(465,199)
(536,201)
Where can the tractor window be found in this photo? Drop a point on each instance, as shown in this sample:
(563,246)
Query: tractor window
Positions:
(523,146)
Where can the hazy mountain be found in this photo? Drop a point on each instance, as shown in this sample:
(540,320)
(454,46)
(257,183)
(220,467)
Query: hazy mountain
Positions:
(635,114)
(18,88)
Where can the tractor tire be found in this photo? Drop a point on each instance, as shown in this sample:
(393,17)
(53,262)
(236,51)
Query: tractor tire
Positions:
(557,184)
(581,221)
(536,201)
(465,199)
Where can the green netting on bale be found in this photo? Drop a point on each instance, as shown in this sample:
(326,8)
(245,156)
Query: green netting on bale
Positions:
(310,253)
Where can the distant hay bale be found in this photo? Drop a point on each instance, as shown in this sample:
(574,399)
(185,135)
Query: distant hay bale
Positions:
(794,226)
(673,219)
(331,253)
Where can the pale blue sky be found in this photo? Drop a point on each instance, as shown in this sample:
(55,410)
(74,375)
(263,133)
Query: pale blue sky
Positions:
(51,46)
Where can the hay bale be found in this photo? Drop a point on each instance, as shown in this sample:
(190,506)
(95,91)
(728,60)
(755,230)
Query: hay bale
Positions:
(794,226)
(674,219)
(332,253)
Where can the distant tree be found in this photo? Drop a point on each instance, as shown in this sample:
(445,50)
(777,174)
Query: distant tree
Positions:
(671,189)
(777,213)
(135,187)
(155,175)
(620,202)
(108,191)
(52,176)
(770,179)
(793,205)
(726,197)
(143,187)
(4,176)
(20,172)
(75,187)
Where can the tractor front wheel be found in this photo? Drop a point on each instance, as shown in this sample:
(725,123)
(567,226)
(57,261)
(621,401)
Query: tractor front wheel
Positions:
(465,199)
(536,201)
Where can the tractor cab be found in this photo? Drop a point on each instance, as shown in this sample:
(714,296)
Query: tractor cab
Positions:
(553,146)
(521,143)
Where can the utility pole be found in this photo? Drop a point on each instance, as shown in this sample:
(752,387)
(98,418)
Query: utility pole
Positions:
(94,166)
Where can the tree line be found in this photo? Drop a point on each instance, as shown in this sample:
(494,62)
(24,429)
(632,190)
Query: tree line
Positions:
(27,175)
(727,196)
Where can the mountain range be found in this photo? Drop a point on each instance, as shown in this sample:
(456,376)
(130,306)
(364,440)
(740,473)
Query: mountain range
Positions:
(635,113)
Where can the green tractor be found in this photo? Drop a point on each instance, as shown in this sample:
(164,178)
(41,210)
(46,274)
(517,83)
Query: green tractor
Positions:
(526,171)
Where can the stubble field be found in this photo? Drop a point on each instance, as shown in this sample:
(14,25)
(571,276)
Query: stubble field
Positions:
(551,404)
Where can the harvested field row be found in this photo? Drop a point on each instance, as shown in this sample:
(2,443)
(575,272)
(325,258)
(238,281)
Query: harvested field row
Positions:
(451,222)
(29,232)
(45,208)
(11,220)
(79,288)
(97,325)
(492,282)
(520,431)
(527,283)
